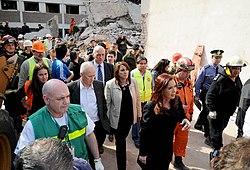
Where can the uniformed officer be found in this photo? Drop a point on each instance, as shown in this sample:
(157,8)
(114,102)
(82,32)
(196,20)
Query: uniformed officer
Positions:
(203,82)
(222,99)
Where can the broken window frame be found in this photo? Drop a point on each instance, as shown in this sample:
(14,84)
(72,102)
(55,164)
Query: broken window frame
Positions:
(48,8)
(68,9)
(10,5)
(31,5)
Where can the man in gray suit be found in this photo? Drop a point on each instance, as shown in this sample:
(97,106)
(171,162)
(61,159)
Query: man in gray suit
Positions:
(89,93)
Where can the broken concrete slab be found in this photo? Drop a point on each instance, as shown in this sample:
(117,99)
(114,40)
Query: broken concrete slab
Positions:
(134,12)
(102,11)
(41,33)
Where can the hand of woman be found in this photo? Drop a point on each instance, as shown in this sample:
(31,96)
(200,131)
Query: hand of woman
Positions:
(143,159)
(186,124)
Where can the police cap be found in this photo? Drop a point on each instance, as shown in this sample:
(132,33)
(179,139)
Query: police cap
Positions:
(217,53)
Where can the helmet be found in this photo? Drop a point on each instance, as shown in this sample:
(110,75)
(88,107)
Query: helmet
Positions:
(176,57)
(185,63)
(8,39)
(27,43)
(38,47)
(107,45)
(235,61)
(20,36)
(48,35)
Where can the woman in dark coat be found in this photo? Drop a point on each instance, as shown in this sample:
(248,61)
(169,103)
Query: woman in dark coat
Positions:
(159,120)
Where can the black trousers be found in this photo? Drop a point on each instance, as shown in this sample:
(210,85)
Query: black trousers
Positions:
(100,134)
(202,119)
(216,130)
(121,134)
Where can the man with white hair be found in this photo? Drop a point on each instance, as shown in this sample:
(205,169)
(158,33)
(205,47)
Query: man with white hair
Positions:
(104,71)
(89,93)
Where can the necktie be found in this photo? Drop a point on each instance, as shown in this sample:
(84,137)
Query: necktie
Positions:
(217,68)
(99,76)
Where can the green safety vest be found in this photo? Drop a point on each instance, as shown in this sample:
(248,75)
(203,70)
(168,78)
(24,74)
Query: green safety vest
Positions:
(45,126)
(32,65)
(145,87)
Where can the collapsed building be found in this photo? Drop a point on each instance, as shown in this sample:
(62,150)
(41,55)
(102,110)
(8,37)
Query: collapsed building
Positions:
(103,20)
(108,20)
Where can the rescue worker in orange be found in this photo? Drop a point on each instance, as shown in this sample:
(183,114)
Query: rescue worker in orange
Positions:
(172,65)
(72,24)
(185,90)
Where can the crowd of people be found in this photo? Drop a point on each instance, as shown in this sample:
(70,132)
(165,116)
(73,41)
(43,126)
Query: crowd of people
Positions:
(80,94)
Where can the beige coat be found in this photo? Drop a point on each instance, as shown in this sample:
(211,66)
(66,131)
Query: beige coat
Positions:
(113,95)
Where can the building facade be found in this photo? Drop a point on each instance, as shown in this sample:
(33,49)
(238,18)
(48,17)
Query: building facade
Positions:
(35,12)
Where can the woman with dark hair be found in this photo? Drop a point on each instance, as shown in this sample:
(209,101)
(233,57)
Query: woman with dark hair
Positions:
(160,117)
(33,89)
(161,67)
(124,108)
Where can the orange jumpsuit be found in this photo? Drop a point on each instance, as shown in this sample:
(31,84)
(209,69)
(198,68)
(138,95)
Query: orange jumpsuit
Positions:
(72,24)
(187,98)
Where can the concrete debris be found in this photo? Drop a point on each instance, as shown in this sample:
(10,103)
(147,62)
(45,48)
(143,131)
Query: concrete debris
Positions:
(112,18)
(38,35)
(107,20)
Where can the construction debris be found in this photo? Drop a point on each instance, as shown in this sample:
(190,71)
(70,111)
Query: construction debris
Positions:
(110,19)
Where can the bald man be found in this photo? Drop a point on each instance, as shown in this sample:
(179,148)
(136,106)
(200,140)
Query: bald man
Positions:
(58,113)
(104,71)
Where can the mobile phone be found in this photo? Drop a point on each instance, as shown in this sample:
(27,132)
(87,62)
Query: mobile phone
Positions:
(62,132)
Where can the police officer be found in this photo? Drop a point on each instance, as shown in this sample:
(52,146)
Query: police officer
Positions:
(203,82)
(222,98)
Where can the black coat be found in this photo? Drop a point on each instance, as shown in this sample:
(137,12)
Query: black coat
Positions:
(74,89)
(156,136)
(224,95)
(244,104)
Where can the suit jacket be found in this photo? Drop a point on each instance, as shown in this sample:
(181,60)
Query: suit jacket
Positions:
(74,89)
(108,71)
(113,95)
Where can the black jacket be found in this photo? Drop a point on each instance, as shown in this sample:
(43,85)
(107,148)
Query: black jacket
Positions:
(244,104)
(74,89)
(156,136)
(223,95)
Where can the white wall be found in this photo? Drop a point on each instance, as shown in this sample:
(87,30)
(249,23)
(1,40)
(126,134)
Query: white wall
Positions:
(179,26)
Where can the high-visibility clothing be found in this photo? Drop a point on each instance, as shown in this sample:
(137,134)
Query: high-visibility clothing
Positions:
(29,99)
(46,126)
(32,65)
(185,91)
(145,85)
(46,44)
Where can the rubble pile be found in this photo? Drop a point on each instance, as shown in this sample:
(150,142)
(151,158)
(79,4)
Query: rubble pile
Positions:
(110,19)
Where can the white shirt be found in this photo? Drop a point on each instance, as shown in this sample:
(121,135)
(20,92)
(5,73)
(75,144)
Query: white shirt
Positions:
(102,69)
(88,102)
(246,125)
(27,136)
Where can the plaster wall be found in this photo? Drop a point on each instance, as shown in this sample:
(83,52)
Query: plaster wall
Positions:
(179,26)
